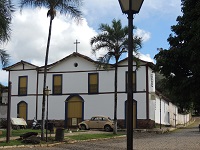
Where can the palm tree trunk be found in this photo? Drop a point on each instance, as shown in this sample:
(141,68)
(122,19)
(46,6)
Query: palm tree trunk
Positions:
(45,77)
(115,99)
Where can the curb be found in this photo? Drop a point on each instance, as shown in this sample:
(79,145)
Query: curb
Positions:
(31,146)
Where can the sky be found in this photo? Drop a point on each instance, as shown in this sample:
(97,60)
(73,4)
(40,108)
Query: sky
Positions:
(30,30)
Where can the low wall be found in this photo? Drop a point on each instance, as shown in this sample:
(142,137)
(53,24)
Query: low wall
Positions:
(145,124)
(183,119)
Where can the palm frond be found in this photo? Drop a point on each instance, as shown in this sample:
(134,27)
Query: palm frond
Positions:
(114,39)
(66,7)
(4,58)
(104,61)
(72,11)
(6,9)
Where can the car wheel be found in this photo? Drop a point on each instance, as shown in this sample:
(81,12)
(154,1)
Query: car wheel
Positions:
(107,128)
(83,127)
(16,127)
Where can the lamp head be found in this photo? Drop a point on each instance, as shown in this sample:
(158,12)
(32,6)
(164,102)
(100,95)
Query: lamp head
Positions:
(47,91)
(130,5)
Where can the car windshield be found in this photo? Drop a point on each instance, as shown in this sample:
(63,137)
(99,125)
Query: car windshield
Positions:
(109,118)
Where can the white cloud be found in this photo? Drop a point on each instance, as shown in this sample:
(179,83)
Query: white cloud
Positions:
(143,34)
(30,31)
(146,57)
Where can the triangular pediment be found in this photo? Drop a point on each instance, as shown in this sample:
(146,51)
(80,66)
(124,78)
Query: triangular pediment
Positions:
(22,65)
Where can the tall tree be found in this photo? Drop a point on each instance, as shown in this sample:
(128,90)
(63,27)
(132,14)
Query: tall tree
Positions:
(71,7)
(6,9)
(114,39)
(181,64)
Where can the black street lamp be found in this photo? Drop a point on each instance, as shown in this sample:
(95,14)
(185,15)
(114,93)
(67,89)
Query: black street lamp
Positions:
(130,7)
(8,113)
(47,92)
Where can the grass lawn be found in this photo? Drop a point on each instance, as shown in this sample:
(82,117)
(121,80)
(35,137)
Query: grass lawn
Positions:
(80,136)
(18,132)
(11,143)
(92,136)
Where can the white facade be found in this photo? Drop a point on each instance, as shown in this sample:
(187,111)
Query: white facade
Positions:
(75,82)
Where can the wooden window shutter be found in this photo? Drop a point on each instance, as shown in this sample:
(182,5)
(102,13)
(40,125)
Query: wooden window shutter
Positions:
(93,83)
(57,80)
(57,84)
(22,86)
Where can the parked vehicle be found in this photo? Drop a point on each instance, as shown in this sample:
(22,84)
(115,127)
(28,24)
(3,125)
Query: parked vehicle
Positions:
(36,124)
(97,122)
(18,123)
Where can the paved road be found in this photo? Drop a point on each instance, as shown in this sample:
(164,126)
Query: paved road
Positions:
(182,139)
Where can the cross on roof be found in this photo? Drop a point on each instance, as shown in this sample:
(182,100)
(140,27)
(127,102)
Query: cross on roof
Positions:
(76,45)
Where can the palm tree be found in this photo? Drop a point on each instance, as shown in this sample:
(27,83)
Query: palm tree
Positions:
(115,40)
(70,7)
(6,9)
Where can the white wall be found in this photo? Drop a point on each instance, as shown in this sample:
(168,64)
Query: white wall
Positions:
(32,80)
(163,111)
(152,107)
(173,110)
(183,119)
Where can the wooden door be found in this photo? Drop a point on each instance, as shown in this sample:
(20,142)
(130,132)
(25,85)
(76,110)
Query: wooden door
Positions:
(74,111)
(22,110)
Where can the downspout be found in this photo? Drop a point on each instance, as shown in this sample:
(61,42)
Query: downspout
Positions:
(147,93)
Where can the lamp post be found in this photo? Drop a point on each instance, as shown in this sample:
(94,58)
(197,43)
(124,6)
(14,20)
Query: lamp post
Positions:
(130,7)
(47,92)
(160,96)
(8,113)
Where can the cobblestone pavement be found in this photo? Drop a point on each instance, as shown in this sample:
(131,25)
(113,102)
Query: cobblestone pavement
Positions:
(187,138)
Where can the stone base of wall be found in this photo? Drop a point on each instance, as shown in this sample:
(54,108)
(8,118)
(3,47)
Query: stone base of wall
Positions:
(141,124)
(121,123)
(145,124)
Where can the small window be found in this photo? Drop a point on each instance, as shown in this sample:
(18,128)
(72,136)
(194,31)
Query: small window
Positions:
(57,84)
(94,119)
(93,83)
(22,87)
(104,119)
(134,81)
